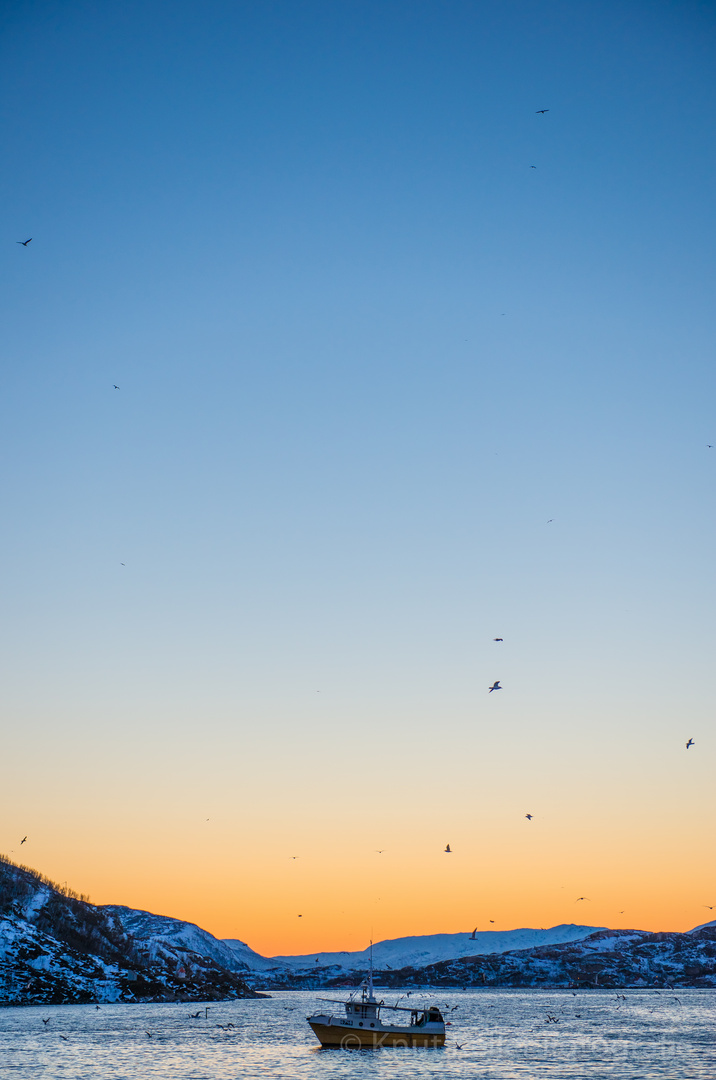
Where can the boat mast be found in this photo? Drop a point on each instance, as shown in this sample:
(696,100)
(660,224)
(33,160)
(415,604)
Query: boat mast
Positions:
(370,976)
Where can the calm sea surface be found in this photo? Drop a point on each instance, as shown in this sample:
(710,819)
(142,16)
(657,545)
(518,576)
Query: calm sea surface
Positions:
(504,1035)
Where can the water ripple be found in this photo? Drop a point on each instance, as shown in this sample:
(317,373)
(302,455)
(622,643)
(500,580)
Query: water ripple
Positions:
(504,1035)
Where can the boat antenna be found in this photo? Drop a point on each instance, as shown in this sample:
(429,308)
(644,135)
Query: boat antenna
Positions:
(370,977)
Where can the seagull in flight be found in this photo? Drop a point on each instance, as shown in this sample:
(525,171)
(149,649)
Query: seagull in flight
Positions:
(709,906)
(581,898)
(116,387)
(498,639)
(541,112)
(495,686)
(23,242)
(528,816)
(690,743)
(46,1021)
(23,841)
(448,850)
(380,852)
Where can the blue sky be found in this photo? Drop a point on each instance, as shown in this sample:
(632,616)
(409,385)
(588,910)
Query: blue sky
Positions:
(365,353)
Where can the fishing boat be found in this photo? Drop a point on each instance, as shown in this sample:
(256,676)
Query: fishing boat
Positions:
(361,1025)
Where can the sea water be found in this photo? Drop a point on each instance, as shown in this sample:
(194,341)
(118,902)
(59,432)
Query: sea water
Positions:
(502,1035)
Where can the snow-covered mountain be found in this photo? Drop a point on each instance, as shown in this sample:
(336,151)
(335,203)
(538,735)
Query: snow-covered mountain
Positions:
(428,949)
(159,937)
(56,947)
(609,958)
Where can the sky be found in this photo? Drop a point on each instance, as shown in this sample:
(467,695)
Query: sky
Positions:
(403,365)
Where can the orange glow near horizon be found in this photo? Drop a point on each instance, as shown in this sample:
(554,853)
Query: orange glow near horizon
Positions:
(233,874)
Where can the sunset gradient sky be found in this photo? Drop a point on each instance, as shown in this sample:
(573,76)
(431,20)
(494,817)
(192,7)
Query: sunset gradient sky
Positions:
(387,392)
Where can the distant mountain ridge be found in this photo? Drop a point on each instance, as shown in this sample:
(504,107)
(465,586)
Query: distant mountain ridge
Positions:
(419,951)
(614,959)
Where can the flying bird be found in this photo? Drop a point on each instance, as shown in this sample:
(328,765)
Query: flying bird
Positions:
(540,112)
(533,166)
(65,1038)
(447,850)
(550,521)
(116,387)
(581,898)
(472,935)
(495,686)
(380,852)
(498,639)
(690,743)
(300,916)
(46,1021)
(195,1016)
(528,816)
(709,906)
(492,920)
(23,242)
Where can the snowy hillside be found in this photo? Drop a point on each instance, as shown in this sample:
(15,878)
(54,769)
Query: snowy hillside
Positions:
(56,947)
(433,948)
(159,936)
(610,958)
(704,926)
